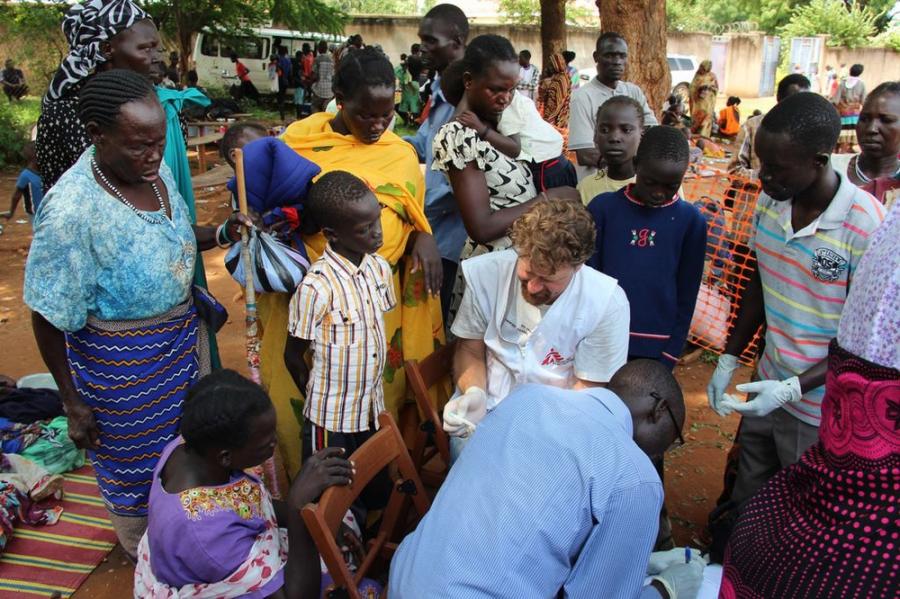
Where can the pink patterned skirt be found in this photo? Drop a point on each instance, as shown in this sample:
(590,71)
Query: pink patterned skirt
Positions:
(829,526)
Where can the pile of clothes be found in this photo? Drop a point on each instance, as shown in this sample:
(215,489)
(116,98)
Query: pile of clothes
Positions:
(35,450)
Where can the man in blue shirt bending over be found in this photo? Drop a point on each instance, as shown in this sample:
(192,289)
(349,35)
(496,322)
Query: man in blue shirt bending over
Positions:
(443,31)
(555,496)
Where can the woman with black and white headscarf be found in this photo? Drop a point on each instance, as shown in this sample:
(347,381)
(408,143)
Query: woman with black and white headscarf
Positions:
(102,34)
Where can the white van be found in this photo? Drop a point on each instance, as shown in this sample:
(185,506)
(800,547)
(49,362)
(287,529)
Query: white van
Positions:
(212,53)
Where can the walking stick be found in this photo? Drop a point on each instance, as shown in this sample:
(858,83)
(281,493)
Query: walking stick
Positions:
(250,303)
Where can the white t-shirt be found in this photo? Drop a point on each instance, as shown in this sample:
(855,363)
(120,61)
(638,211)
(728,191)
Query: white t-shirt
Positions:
(539,140)
(586,101)
(597,357)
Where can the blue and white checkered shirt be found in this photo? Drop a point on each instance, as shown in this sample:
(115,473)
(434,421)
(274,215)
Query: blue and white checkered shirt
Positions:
(551,497)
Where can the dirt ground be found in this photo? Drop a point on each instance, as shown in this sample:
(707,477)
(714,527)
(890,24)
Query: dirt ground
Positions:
(693,472)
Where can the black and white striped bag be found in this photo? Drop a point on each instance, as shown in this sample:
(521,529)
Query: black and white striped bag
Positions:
(277,267)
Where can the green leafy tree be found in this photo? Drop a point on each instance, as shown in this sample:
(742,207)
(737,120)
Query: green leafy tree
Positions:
(889,39)
(183,19)
(766,15)
(850,25)
(33,37)
(719,15)
(688,15)
(528,12)
(384,7)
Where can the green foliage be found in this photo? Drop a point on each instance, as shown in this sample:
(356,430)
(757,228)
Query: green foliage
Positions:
(688,15)
(528,12)
(383,7)
(709,357)
(771,16)
(179,18)
(16,121)
(882,8)
(889,39)
(33,39)
(846,25)
(717,16)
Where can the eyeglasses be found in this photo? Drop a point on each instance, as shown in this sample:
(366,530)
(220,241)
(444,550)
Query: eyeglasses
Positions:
(680,442)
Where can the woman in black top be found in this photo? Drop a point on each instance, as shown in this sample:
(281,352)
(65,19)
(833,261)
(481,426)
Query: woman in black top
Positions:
(102,34)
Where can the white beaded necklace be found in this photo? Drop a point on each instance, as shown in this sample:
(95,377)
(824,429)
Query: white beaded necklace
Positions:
(141,214)
(862,176)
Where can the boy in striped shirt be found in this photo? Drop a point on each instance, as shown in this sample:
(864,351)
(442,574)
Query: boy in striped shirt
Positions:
(338,312)
(812,227)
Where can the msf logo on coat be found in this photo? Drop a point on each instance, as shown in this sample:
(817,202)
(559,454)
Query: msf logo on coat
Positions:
(554,358)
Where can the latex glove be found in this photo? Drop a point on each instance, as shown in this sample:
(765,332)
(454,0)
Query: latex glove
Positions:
(660,560)
(462,415)
(770,395)
(721,378)
(682,581)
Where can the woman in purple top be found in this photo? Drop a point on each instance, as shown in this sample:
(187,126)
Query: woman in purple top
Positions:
(213,529)
(828,525)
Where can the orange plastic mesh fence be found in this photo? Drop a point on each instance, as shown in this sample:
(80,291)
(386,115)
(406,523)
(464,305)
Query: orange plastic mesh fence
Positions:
(728,203)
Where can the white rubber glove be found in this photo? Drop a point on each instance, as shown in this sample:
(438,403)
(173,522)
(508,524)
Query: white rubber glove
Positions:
(770,395)
(721,378)
(462,415)
(682,581)
(660,560)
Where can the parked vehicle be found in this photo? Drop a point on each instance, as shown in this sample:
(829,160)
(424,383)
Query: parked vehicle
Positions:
(681,67)
(212,53)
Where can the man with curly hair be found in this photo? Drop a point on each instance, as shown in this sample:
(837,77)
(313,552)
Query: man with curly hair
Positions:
(535,314)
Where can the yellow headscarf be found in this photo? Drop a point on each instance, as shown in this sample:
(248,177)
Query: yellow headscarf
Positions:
(389,166)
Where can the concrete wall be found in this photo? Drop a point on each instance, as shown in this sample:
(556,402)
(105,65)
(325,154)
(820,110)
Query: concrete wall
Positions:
(397,34)
(690,44)
(881,64)
(743,65)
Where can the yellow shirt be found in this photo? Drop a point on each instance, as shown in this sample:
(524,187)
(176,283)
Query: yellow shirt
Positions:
(593,185)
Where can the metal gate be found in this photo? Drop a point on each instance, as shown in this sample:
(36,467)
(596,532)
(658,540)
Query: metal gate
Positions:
(717,53)
(805,55)
(771,49)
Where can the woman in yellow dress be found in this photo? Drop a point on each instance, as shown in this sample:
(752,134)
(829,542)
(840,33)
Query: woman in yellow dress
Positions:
(357,140)
(704,89)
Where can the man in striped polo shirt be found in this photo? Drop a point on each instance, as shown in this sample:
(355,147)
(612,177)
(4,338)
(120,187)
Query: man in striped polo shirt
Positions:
(812,227)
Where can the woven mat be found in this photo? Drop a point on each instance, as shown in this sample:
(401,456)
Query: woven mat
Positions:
(42,560)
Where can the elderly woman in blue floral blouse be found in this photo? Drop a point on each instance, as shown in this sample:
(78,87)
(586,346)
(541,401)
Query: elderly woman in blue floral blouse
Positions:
(108,279)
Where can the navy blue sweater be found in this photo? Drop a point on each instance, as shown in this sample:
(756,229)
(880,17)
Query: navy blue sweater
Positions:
(657,256)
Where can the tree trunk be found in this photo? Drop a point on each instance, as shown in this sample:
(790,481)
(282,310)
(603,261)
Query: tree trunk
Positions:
(186,53)
(643,25)
(185,49)
(553,28)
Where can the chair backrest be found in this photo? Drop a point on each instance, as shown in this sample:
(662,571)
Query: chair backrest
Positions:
(421,376)
(323,519)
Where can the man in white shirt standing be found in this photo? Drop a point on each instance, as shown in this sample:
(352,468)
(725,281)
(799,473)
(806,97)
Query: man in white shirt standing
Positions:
(611,57)
(528,76)
(535,314)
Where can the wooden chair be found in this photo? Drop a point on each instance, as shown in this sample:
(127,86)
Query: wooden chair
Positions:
(421,377)
(323,519)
